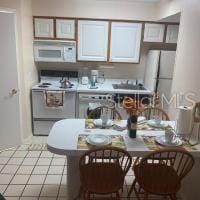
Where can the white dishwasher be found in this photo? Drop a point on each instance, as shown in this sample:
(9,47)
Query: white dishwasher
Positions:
(84,99)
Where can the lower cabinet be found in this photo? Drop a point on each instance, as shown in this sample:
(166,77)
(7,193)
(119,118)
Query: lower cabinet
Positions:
(42,128)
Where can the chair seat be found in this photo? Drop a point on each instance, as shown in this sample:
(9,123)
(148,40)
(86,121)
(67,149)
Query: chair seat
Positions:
(102,178)
(157,178)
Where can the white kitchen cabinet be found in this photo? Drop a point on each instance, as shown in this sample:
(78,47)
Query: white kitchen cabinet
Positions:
(172,33)
(44,28)
(125,42)
(154,32)
(65,29)
(92,40)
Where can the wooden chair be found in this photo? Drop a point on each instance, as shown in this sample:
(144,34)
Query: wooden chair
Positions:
(161,172)
(151,112)
(111,112)
(103,170)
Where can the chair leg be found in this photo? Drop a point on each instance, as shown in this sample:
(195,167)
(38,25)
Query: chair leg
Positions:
(131,189)
(88,195)
(117,195)
(146,196)
(173,197)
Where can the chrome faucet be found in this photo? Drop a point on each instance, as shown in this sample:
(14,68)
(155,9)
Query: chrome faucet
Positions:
(127,82)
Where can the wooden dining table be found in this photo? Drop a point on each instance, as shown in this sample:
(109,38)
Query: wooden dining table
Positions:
(63,140)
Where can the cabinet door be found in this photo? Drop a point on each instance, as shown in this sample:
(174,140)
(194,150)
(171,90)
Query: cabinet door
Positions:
(125,42)
(92,40)
(65,29)
(44,28)
(154,32)
(172,33)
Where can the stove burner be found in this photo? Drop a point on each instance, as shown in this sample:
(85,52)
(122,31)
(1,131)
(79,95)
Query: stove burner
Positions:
(43,86)
(46,83)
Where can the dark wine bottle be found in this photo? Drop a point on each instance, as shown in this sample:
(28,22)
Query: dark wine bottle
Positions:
(132,126)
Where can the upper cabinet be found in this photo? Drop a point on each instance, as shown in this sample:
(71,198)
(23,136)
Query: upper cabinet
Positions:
(54,28)
(154,32)
(125,42)
(44,28)
(172,33)
(65,29)
(92,40)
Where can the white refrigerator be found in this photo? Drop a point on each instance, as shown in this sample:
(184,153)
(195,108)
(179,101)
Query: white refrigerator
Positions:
(159,74)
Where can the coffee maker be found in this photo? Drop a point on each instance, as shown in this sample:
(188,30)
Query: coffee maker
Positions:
(94,77)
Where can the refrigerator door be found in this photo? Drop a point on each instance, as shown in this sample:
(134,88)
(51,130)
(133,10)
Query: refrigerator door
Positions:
(167,61)
(164,91)
(151,69)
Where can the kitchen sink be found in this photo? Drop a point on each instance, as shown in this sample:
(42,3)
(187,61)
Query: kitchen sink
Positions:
(128,87)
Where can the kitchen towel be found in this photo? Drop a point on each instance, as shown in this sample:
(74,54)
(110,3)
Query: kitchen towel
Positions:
(54,99)
(185,119)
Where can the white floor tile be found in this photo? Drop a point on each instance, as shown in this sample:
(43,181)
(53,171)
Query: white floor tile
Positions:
(46,154)
(65,170)
(20,179)
(15,161)
(64,180)
(53,179)
(6,153)
(12,198)
(55,170)
(10,169)
(3,188)
(3,160)
(58,161)
(14,190)
(44,161)
(50,191)
(47,198)
(28,198)
(36,179)
(20,154)
(32,190)
(59,156)
(29,161)
(5,178)
(23,147)
(25,169)
(1,167)
(40,170)
(33,154)
(62,191)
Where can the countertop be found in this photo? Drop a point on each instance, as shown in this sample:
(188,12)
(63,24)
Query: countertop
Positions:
(108,88)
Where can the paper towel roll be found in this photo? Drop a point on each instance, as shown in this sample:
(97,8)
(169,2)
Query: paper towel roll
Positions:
(184,121)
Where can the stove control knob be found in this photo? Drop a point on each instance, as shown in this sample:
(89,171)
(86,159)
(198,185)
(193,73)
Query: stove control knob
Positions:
(104,97)
(100,97)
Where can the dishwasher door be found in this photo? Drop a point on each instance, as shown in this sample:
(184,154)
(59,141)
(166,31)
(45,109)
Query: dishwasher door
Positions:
(85,99)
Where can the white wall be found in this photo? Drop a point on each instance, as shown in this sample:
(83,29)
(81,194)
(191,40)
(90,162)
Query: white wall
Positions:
(26,67)
(111,9)
(187,67)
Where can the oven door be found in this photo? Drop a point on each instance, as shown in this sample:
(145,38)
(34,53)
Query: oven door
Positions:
(48,53)
(41,111)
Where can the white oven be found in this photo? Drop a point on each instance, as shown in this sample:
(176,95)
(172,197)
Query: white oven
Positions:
(45,51)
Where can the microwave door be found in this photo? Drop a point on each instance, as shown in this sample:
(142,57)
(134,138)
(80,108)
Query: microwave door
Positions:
(48,54)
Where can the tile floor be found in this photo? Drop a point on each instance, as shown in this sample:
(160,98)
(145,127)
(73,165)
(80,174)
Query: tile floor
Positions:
(32,175)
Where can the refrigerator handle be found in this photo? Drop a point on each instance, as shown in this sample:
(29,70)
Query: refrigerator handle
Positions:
(158,74)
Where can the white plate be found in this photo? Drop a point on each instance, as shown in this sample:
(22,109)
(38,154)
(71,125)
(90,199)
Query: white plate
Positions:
(98,122)
(161,140)
(98,139)
(162,124)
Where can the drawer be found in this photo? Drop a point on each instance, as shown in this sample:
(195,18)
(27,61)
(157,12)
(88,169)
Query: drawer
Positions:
(42,127)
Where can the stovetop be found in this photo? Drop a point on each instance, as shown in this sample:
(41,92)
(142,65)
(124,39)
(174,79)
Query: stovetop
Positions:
(50,80)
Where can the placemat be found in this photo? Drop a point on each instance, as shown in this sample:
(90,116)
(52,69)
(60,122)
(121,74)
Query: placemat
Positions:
(153,145)
(89,124)
(117,141)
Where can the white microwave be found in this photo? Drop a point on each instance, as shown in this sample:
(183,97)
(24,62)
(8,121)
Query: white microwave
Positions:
(45,51)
